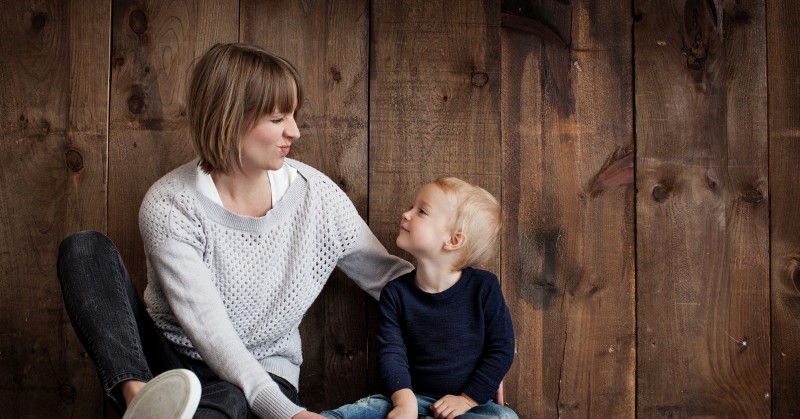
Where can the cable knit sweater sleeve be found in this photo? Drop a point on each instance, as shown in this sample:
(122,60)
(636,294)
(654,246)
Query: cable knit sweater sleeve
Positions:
(368,263)
(187,286)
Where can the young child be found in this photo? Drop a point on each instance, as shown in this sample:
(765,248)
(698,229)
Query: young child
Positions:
(445,338)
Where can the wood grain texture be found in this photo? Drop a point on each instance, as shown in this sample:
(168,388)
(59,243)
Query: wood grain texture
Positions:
(702,209)
(568,199)
(53,90)
(154,46)
(434,102)
(327,42)
(784,185)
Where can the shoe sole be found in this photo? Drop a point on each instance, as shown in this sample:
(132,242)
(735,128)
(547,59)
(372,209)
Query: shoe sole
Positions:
(152,401)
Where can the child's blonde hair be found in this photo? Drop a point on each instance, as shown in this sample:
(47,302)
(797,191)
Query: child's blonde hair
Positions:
(477,218)
(231,87)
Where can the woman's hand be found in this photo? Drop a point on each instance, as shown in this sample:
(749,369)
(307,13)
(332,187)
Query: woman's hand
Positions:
(305,414)
(448,407)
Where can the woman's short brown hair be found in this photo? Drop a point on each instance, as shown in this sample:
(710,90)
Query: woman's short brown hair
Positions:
(231,87)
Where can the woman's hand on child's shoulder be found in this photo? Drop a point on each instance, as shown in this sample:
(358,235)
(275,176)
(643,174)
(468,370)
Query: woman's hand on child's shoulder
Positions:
(448,407)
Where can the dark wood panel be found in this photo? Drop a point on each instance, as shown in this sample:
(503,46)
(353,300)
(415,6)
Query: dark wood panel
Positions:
(702,209)
(328,44)
(153,48)
(784,185)
(568,198)
(434,102)
(53,87)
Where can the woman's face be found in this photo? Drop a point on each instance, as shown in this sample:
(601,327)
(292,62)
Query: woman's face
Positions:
(266,145)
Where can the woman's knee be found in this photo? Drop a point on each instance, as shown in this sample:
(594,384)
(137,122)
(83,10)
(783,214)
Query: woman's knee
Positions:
(80,253)
(83,244)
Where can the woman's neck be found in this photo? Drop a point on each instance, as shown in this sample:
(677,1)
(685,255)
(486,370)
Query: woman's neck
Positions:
(249,195)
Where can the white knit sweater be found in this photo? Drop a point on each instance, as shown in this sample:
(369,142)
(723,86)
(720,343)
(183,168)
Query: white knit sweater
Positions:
(231,290)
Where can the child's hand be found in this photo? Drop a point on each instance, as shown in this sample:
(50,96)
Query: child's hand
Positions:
(448,407)
(405,405)
(403,412)
(305,414)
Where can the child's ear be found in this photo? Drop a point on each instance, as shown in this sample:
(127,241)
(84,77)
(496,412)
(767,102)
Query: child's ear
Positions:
(455,242)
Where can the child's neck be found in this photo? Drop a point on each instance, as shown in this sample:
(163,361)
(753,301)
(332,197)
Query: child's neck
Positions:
(436,277)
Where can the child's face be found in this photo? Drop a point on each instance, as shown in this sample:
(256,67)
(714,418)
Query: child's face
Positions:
(428,225)
(266,145)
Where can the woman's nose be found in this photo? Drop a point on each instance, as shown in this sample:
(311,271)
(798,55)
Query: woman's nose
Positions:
(291,130)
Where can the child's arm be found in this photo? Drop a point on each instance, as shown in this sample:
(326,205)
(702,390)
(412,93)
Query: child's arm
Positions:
(405,405)
(392,356)
(498,350)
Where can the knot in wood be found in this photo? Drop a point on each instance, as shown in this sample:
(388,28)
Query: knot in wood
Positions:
(753,196)
(479,78)
(336,74)
(791,273)
(136,103)
(74,160)
(661,192)
(39,20)
(138,22)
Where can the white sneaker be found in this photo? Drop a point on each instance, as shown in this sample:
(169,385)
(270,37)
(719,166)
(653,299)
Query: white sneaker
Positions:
(174,394)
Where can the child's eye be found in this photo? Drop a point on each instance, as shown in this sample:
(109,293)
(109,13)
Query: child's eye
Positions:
(423,212)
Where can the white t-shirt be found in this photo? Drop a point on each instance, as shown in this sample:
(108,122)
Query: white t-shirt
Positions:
(279,181)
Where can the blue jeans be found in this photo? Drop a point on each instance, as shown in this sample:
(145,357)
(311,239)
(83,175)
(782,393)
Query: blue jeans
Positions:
(120,337)
(378,406)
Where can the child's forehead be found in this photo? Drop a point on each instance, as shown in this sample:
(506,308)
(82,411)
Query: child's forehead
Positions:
(432,193)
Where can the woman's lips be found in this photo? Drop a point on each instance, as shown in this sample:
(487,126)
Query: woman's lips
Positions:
(285,149)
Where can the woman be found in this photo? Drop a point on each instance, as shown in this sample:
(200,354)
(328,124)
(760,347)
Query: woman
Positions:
(239,243)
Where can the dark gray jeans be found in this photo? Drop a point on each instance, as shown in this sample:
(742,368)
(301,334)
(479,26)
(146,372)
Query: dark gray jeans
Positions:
(121,338)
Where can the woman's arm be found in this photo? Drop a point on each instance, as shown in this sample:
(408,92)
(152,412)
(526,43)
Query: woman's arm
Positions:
(368,263)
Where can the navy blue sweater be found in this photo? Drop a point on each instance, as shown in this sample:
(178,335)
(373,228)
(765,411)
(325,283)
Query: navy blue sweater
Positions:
(457,341)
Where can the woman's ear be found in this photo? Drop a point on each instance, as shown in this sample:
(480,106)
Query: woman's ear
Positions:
(456,241)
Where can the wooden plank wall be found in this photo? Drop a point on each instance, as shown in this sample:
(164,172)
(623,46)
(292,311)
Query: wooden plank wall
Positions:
(568,199)
(645,153)
(53,142)
(784,186)
(703,210)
